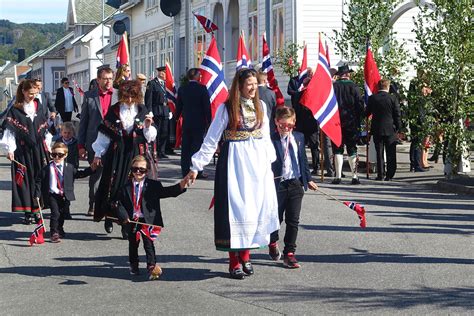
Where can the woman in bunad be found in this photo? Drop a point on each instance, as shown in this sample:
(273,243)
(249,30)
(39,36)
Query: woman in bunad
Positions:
(125,133)
(26,141)
(245,209)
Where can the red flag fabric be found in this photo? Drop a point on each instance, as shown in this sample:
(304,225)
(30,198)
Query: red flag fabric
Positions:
(179,132)
(123,55)
(243,57)
(78,88)
(327,54)
(303,71)
(20,174)
(212,76)
(212,203)
(150,232)
(37,237)
(371,74)
(267,67)
(171,93)
(360,210)
(206,23)
(319,97)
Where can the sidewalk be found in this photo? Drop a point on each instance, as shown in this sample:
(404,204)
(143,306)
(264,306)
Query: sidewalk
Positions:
(434,178)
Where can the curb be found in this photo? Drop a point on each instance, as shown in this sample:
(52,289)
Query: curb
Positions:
(445,186)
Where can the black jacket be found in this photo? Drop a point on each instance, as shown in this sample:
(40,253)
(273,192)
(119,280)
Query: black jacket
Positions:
(277,165)
(60,102)
(69,173)
(152,192)
(351,105)
(194,104)
(386,114)
(155,99)
(292,90)
(46,105)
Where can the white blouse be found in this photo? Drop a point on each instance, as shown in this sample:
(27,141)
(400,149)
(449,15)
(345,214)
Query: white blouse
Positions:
(127,116)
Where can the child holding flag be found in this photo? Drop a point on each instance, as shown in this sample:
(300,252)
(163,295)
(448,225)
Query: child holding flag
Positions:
(139,202)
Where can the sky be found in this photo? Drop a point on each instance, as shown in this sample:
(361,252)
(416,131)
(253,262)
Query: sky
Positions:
(33,11)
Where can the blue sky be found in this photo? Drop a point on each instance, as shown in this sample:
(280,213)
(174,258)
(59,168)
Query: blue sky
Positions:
(34,11)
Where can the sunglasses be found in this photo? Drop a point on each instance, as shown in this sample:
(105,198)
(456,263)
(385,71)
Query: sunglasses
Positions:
(138,170)
(67,82)
(285,126)
(58,155)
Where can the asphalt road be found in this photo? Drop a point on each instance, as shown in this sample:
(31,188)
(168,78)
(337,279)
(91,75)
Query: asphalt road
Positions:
(415,257)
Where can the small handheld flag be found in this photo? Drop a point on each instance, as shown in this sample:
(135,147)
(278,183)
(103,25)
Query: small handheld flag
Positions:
(171,93)
(20,174)
(206,23)
(37,237)
(360,210)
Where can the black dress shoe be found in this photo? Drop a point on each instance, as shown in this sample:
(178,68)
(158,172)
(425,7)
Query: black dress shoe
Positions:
(202,176)
(170,152)
(247,267)
(109,227)
(379,179)
(163,156)
(314,172)
(237,273)
(336,181)
(355,181)
(124,232)
(330,175)
(388,179)
(419,169)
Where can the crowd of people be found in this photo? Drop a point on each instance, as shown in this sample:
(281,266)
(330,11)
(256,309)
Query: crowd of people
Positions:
(262,169)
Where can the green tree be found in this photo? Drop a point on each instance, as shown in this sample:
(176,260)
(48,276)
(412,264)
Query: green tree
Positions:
(445,55)
(287,59)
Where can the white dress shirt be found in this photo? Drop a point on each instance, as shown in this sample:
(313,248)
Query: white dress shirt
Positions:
(53,182)
(287,172)
(68,105)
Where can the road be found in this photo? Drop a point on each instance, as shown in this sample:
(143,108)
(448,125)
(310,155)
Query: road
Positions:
(415,257)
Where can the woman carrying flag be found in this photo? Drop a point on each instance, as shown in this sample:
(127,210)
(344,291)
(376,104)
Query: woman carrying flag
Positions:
(26,140)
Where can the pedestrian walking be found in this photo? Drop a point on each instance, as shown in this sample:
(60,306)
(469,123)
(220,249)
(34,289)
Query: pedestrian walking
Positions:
(65,102)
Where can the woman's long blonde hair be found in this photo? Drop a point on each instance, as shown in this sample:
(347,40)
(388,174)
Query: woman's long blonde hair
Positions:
(233,101)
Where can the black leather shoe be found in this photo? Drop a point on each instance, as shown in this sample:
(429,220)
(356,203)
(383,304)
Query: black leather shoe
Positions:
(355,181)
(163,156)
(124,232)
(421,170)
(330,175)
(387,179)
(247,268)
(109,227)
(170,152)
(237,274)
(378,179)
(336,181)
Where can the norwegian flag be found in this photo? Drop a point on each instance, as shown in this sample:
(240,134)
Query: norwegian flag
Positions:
(171,93)
(78,88)
(20,174)
(149,231)
(371,74)
(37,237)
(123,56)
(327,53)
(319,97)
(267,67)
(206,23)
(212,76)
(303,72)
(179,132)
(243,58)
(360,210)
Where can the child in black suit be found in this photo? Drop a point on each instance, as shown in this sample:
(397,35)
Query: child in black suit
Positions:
(139,201)
(55,184)
(68,138)
(292,174)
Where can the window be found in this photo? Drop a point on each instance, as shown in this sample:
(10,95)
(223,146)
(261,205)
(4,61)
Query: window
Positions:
(253,30)
(278,35)
(162,50)
(57,76)
(151,57)
(136,58)
(77,51)
(199,38)
(142,58)
(151,3)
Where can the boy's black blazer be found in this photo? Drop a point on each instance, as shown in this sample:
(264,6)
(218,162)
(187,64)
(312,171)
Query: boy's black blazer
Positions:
(152,192)
(277,165)
(70,173)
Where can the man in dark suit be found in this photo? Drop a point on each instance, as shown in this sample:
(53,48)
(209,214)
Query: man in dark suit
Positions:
(44,100)
(266,94)
(292,174)
(94,108)
(194,104)
(65,102)
(157,103)
(385,112)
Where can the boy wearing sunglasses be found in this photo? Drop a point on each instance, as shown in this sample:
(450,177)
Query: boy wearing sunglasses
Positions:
(292,174)
(139,201)
(55,184)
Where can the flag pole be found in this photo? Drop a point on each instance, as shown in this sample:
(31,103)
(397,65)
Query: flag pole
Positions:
(18,163)
(367,162)
(321,153)
(134,222)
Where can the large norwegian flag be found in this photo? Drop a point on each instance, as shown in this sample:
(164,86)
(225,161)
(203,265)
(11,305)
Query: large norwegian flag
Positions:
(319,97)
(206,23)
(267,67)
(171,93)
(371,74)
(303,72)
(212,76)
(243,58)
(123,57)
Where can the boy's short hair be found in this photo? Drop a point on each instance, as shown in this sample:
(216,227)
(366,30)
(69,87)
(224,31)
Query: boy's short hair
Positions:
(261,76)
(60,145)
(285,112)
(140,158)
(384,84)
(69,126)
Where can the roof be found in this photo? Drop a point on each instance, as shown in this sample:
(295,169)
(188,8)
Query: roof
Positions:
(87,12)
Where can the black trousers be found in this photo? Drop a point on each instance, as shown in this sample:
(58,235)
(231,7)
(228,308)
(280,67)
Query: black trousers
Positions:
(328,156)
(313,143)
(66,116)
(290,195)
(415,154)
(133,246)
(59,206)
(191,143)
(387,144)
(162,124)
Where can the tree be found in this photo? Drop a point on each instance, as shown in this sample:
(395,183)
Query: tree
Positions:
(287,59)
(445,55)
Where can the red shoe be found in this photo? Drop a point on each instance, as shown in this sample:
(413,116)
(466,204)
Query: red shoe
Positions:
(55,238)
(290,262)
